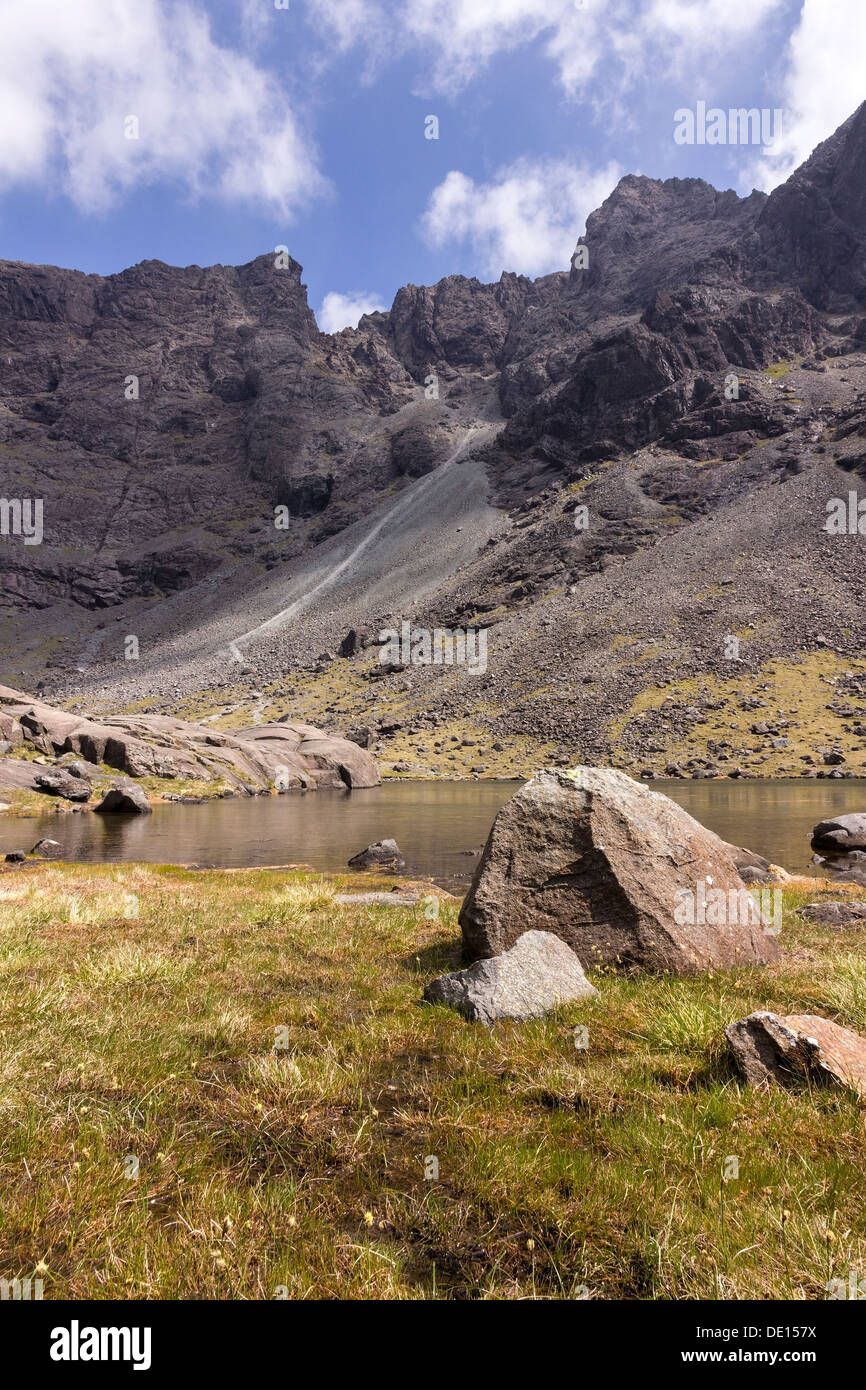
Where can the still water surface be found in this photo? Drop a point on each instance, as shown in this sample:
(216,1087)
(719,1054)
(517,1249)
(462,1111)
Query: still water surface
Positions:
(434,823)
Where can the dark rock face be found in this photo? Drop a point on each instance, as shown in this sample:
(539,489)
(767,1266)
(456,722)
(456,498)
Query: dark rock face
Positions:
(126,796)
(812,229)
(769,1049)
(63,784)
(231,378)
(535,975)
(384,854)
(621,873)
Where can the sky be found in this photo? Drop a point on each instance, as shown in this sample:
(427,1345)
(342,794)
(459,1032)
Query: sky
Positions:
(211,131)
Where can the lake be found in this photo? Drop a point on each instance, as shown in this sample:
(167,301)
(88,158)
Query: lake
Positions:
(435,824)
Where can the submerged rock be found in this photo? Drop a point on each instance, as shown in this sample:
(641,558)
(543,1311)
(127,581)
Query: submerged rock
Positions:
(621,873)
(536,974)
(384,854)
(769,1048)
(47,849)
(840,835)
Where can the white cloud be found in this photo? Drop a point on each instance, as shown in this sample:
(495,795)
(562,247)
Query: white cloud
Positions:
(344,310)
(463,35)
(209,117)
(347,21)
(695,27)
(825,82)
(527,219)
(635,38)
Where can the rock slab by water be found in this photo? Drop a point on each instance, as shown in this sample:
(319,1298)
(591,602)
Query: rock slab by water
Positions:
(769,1048)
(63,784)
(536,974)
(124,797)
(287,755)
(840,835)
(608,865)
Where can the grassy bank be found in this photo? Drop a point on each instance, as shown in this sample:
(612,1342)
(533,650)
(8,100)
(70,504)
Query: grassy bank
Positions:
(224,1085)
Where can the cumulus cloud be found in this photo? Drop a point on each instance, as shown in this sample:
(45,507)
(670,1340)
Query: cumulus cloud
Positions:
(694,27)
(208,117)
(825,81)
(633,38)
(344,310)
(463,35)
(527,219)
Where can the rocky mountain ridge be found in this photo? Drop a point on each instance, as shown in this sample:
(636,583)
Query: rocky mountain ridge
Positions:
(238,491)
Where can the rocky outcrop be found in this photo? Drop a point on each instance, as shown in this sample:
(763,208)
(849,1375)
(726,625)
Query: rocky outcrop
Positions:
(286,755)
(812,228)
(538,973)
(63,784)
(621,873)
(784,1050)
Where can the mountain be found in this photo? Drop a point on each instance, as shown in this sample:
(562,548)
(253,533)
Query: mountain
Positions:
(620,471)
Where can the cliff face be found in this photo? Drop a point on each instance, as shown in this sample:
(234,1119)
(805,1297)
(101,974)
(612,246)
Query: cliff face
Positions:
(163,415)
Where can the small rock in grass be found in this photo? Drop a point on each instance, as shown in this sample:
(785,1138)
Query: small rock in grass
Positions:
(835,914)
(785,1049)
(537,973)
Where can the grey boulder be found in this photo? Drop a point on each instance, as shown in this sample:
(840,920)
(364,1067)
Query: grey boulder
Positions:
(126,796)
(47,849)
(840,835)
(621,873)
(536,974)
(63,784)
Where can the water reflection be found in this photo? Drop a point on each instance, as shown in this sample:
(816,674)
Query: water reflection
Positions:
(435,823)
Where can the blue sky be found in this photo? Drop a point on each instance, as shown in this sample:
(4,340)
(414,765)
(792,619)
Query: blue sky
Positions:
(305,125)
